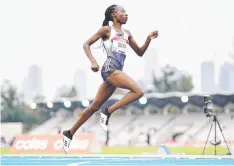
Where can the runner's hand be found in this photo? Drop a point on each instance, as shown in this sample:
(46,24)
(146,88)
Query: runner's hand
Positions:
(153,35)
(95,66)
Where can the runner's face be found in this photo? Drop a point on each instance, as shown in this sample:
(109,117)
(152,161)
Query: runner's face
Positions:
(121,15)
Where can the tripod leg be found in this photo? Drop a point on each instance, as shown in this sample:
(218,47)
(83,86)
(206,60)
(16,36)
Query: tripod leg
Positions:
(215,135)
(223,137)
(207,138)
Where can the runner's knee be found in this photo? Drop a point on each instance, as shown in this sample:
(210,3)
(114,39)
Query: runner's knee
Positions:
(139,92)
(95,106)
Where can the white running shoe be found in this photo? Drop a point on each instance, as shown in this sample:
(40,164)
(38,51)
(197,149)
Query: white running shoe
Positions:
(104,120)
(67,137)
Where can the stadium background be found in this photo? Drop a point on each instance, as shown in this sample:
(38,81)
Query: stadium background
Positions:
(46,81)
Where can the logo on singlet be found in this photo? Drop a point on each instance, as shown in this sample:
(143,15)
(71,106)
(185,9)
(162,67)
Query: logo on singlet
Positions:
(107,65)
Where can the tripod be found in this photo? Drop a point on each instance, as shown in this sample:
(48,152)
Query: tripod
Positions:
(215,143)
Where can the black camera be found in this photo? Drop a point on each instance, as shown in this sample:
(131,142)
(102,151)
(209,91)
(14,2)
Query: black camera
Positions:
(207,98)
(208,105)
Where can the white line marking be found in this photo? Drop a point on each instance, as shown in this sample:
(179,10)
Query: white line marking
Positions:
(79,163)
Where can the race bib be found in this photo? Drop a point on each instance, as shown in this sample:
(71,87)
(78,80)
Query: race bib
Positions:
(119,45)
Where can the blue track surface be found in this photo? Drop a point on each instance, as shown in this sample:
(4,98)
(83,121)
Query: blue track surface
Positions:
(111,161)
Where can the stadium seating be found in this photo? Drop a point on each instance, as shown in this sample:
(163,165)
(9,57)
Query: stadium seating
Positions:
(135,129)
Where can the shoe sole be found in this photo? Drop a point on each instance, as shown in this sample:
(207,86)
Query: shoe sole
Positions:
(63,144)
(102,127)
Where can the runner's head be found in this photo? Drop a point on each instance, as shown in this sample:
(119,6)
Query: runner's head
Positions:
(115,13)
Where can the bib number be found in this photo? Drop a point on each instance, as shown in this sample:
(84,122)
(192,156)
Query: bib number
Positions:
(119,45)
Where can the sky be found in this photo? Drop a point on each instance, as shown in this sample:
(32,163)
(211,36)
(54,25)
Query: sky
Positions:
(50,33)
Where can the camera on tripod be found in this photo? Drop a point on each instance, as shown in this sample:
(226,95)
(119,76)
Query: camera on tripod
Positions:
(208,105)
(208,110)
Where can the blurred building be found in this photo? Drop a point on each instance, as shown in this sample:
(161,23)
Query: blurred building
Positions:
(226,77)
(32,83)
(151,67)
(80,83)
(208,77)
(62,91)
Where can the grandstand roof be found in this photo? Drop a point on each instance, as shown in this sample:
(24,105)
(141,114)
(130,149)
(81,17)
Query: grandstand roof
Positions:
(156,99)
